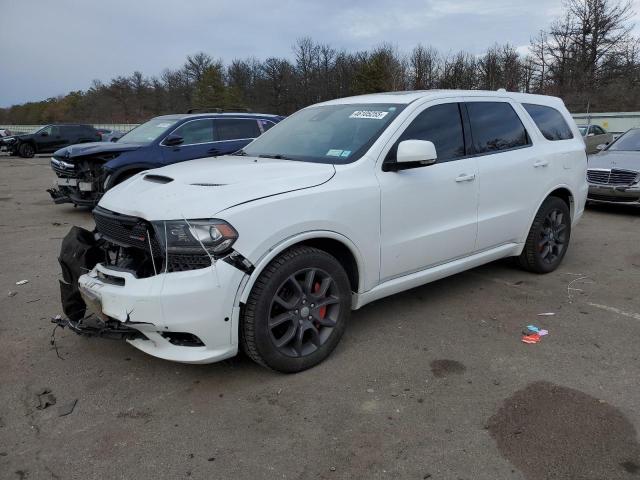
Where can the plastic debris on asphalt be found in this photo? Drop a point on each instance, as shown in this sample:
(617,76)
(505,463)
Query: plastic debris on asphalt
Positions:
(533,334)
(22,282)
(546,314)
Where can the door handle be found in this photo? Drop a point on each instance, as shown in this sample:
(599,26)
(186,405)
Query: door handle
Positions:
(541,163)
(466,178)
(213,151)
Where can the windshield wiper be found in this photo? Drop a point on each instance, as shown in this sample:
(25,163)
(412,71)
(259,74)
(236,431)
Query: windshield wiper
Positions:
(240,153)
(277,156)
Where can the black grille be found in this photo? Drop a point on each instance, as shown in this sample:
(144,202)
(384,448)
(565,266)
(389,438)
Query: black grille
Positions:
(612,198)
(182,262)
(612,177)
(126,231)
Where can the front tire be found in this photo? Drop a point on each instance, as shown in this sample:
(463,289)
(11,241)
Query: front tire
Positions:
(297,311)
(548,238)
(26,150)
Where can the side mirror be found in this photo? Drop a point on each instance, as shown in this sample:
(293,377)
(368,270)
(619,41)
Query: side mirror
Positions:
(602,146)
(173,140)
(421,151)
(44,134)
(591,134)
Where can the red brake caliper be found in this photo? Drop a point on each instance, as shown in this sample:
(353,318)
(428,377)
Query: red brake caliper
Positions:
(323,310)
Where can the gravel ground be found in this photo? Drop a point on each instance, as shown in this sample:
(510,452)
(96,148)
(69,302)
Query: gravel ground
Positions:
(430,383)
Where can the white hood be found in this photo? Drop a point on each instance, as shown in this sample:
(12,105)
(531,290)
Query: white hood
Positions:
(203,188)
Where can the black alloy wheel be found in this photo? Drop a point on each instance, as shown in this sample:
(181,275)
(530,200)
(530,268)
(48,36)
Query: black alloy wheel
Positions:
(297,310)
(548,238)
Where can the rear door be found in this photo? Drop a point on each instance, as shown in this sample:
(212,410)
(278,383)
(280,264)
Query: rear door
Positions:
(198,141)
(429,214)
(512,177)
(234,133)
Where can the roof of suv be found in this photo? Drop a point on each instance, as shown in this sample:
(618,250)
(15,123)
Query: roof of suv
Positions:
(407,97)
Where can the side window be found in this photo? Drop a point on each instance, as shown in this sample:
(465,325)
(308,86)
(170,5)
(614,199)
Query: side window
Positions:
(495,126)
(440,124)
(235,129)
(265,125)
(196,131)
(598,130)
(55,131)
(550,121)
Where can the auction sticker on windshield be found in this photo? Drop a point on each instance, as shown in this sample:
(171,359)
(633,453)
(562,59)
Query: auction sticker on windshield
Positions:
(372,114)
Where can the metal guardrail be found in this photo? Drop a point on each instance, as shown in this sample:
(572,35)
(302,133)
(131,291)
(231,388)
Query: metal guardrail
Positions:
(122,127)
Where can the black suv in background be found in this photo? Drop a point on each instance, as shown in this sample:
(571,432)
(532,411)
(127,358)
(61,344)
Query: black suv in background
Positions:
(49,139)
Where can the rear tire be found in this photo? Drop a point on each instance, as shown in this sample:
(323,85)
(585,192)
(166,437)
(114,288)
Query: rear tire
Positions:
(297,311)
(26,150)
(548,238)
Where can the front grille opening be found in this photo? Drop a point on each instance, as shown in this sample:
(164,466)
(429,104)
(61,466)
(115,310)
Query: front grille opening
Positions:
(613,198)
(612,177)
(132,246)
(183,339)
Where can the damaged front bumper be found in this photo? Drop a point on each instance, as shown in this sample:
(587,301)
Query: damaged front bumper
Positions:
(186,316)
(71,186)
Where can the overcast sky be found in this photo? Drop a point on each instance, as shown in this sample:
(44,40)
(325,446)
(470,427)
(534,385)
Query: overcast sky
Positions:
(50,47)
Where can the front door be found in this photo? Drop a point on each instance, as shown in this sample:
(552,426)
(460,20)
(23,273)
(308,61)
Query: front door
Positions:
(198,141)
(429,214)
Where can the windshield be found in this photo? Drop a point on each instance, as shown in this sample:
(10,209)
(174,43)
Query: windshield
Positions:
(629,142)
(149,131)
(326,134)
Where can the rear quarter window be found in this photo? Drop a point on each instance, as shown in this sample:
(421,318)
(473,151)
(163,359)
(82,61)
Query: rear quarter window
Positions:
(495,126)
(550,122)
(237,129)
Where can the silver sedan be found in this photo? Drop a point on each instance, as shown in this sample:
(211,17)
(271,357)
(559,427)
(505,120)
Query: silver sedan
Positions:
(614,173)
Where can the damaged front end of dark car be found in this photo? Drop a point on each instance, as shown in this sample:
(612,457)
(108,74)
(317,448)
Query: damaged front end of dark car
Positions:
(85,172)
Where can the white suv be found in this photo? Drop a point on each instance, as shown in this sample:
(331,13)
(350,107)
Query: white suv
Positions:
(341,204)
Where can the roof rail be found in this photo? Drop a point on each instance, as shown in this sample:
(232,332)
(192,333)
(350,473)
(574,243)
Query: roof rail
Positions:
(217,110)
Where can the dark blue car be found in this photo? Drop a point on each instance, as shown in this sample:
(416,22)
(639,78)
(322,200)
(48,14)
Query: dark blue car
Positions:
(84,172)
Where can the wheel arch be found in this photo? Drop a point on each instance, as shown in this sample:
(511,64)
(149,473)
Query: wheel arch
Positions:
(563,192)
(336,244)
(116,176)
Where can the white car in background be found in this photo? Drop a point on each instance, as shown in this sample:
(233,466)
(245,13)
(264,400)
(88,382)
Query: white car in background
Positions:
(339,205)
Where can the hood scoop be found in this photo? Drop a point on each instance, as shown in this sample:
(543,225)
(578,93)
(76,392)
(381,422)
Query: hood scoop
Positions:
(157,178)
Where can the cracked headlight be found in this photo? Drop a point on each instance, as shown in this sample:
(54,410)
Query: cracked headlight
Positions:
(190,236)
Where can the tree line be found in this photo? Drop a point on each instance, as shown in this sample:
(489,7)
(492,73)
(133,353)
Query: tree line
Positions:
(588,56)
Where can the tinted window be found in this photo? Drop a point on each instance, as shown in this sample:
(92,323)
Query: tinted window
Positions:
(440,124)
(549,121)
(598,131)
(196,131)
(495,126)
(233,129)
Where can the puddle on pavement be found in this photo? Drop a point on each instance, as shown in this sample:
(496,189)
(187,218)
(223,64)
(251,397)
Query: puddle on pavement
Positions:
(443,368)
(553,432)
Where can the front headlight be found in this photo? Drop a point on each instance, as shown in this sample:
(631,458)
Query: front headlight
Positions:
(190,236)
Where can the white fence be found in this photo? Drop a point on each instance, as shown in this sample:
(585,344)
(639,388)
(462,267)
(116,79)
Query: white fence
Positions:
(122,127)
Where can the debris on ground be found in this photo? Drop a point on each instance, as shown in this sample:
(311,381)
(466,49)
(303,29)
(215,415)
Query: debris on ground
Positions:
(67,408)
(546,314)
(12,293)
(22,282)
(45,399)
(533,338)
(533,334)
